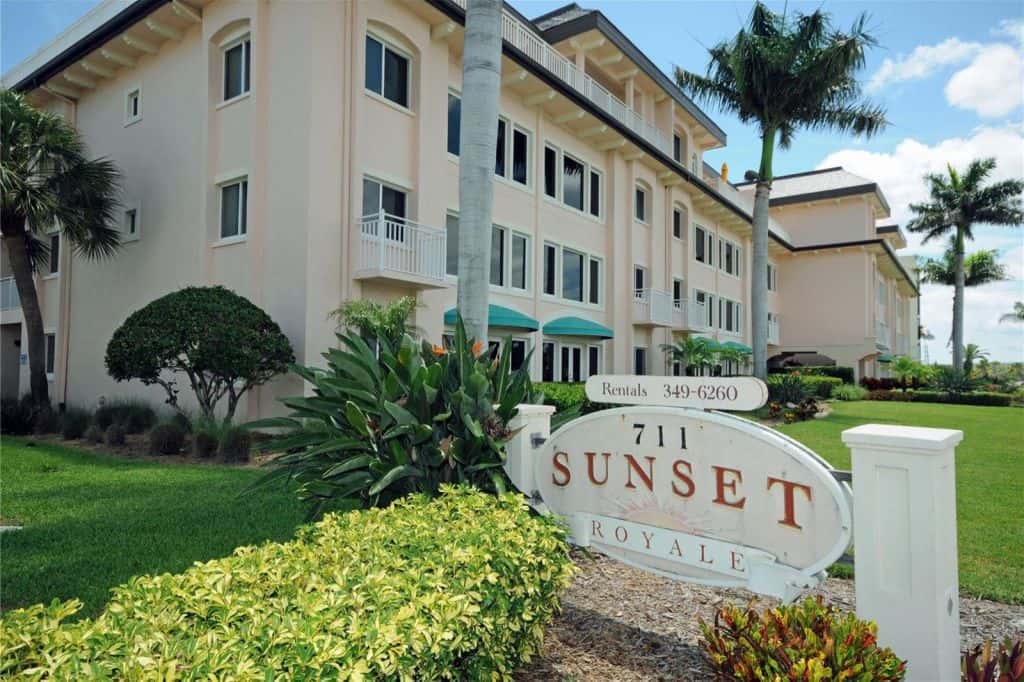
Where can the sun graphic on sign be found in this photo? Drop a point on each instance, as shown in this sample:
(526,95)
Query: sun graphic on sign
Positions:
(650,509)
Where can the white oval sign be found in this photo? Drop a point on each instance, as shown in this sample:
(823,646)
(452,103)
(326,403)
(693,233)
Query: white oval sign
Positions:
(718,393)
(702,496)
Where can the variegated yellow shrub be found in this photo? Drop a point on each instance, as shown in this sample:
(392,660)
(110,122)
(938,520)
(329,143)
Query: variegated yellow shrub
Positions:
(459,587)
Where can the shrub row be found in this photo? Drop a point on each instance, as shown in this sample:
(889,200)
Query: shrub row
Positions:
(973,398)
(378,594)
(849,392)
(568,396)
(888,384)
(844,373)
(818,386)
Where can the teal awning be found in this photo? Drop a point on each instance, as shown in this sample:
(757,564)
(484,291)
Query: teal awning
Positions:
(884,357)
(500,316)
(736,345)
(576,326)
(710,344)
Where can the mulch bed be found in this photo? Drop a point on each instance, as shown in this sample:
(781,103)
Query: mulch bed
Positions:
(136,447)
(621,623)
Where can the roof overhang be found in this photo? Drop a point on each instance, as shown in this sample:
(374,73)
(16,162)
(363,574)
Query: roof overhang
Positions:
(869,190)
(888,262)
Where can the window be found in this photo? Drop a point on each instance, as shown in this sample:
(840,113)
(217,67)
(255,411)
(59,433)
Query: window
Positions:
(640,202)
(454,123)
(518,353)
(703,245)
(639,278)
(572,363)
(550,256)
(378,197)
(497,256)
(130,224)
(547,370)
(708,301)
(773,284)
(133,106)
(729,315)
(729,257)
(677,148)
(520,255)
(593,360)
(233,202)
(578,186)
(500,148)
(520,155)
(595,281)
(451,224)
(387,71)
(677,222)
(54,258)
(236,68)
(640,361)
(51,353)
(677,292)
(572,275)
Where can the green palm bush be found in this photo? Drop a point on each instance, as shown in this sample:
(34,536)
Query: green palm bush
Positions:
(405,420)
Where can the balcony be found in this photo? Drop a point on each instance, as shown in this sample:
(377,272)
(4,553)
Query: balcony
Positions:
(689,316)
(396,249)
(652,308)
(9,294)
(773,330)
(537,49)
(883,337)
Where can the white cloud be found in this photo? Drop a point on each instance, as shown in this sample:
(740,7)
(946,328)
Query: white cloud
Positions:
(1013,28)
(992,85)
(922,62)
(900,173)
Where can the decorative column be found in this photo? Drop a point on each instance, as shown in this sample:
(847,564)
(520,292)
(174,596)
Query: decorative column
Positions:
(533,421)
(904,520)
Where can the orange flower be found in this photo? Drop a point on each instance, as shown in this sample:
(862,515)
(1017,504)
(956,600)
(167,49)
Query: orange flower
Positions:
(477,347)
(440,350)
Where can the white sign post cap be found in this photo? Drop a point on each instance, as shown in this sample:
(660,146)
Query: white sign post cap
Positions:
(891,437)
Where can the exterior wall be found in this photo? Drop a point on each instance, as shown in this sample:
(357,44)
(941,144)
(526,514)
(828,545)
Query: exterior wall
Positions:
(845,220)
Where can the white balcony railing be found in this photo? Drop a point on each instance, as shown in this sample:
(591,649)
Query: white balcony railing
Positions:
(533,46)
(392,247)
(653,307)
(883,338)
(773,330)
(689,315)
(9,294)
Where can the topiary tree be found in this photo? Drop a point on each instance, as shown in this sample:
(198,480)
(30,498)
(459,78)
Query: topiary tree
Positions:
(223,343)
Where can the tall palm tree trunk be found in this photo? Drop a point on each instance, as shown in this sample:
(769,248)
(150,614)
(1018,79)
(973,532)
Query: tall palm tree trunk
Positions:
(15,241)
(759,261)
(481,81)
(958,301)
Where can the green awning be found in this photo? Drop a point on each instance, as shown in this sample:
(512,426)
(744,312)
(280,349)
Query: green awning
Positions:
(708,343)
(736,345)
(500,316)
(576,326)
(884,357)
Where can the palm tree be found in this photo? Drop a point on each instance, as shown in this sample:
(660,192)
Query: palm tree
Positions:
(1016,316)
(734,355)
(693,351)
(481,82)
(981,267)
(785,72)
(972,353)
(47,183)
(958,202)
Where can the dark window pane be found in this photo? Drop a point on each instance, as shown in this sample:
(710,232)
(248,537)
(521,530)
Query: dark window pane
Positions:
(550,171)
(518,353)
(639,361)
(549,269)
(248,61)
(233,72)
(595,194)
(594,360)
(641,207)
(396,78)
(518,262)
(499,152)
(51,352)
(638,278)
(572,182)
(595,281)
(565,364)
(244,207)
(452,245)
(497,256)
(393,202)
(454,123)
(677,148)
(677,290)
(54,254)
(229,210)
(698,245)
(371,198)
(677,224)
(547,371)
(520,154)
(374,65)
(577,358)
(572,275)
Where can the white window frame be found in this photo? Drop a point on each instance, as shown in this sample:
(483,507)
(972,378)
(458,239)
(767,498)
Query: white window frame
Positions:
(510,129)
(683,219)
(737,251)
(559,290)
(709,306)
(52,267)
(136,208)
(646,204)
(404,54)
(243,196)
(46,353)
(588,169)
(591,370)
(647,361)
(677,301)
(129,117)
(725,321)
(709,246)
(773,277)
(245,40)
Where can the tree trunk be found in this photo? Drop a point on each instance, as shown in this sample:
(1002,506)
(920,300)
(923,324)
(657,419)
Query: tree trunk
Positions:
(958,301)
(15,240)
(481,81)
(759,262)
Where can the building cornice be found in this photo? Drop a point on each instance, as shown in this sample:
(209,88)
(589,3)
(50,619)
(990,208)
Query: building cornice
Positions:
(860,243)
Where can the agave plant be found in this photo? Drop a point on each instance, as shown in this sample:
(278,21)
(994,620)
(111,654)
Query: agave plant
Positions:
(405,420)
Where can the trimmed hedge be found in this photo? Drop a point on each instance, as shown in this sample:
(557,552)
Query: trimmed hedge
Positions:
(818,386)
(459,587)
(844,373)
(974,398)
(567,396)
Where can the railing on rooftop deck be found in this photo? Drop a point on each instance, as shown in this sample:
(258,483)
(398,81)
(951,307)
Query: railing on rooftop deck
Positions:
(534,47)
(396,245)
(9,294)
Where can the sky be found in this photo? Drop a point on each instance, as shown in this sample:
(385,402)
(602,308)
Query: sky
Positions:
(949,74)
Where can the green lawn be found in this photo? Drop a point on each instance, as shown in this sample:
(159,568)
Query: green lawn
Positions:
(989,480)
(92,522)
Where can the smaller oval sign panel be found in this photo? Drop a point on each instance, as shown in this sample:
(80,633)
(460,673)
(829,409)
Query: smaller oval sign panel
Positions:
(701,496)
(713,393)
